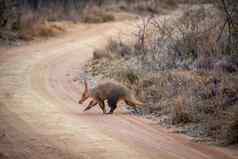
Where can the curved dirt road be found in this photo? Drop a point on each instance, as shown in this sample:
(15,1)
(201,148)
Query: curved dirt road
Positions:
(40,117)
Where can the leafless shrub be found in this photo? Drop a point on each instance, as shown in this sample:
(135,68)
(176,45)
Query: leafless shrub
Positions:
(196,35)
(182,42)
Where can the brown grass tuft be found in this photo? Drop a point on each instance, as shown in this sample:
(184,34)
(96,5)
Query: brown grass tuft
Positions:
(44,29)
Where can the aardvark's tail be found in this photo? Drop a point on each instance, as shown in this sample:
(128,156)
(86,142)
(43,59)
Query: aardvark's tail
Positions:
(138,103)
(133,102)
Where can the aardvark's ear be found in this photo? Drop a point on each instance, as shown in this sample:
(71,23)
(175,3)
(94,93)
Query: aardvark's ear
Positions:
(86,84)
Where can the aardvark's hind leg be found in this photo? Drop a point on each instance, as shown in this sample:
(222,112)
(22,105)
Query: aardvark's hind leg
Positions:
(102,106)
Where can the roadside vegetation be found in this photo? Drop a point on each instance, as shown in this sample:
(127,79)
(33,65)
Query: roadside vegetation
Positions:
(184,67)
(25,20)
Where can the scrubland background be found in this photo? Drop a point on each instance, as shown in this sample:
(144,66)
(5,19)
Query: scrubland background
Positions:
(182,61)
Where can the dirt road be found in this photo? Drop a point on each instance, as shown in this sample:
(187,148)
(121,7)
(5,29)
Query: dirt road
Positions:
(40,117)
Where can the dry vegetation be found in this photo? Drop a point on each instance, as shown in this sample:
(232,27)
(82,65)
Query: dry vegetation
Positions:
(185,70)
(29,19)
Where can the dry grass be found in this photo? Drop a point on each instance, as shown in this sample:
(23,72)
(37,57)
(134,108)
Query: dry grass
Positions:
(41,30)
(32,20)
(201,98)
(31,25)
(96,15)
(36,24)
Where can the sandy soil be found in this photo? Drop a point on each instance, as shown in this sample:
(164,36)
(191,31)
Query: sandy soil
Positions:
(40,117)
